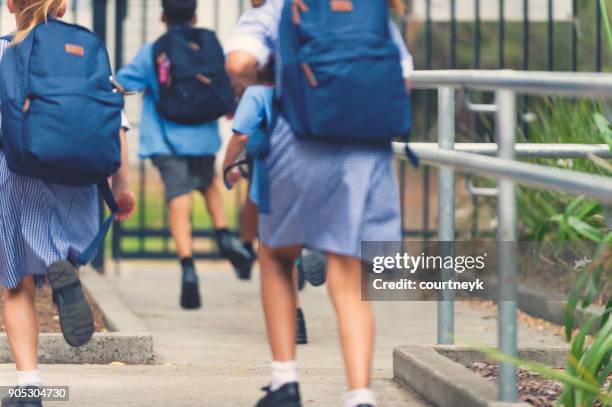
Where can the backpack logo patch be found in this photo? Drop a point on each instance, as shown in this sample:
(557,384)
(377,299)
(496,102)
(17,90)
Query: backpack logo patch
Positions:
(342,6)
(73,49)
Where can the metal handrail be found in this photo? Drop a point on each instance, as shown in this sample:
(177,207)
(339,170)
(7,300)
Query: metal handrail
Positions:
(525,150)
(523,82)
(529,174)
(473,159)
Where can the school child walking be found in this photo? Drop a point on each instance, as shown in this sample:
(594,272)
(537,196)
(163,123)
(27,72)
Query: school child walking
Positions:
(327,196)
(185,90)
(49,216)
(253,117)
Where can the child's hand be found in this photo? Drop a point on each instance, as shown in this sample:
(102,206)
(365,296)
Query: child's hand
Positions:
(234,176)
(125,200)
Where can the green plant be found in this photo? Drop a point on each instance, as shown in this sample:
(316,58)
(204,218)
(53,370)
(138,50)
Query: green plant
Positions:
(551,215)
(592,362)
(589,361)
(606,21)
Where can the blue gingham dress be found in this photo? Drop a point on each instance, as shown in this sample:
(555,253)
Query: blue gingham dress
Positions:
(40,223)
(327,197)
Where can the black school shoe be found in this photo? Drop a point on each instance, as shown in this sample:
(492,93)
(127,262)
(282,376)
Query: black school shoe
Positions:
(232,249)
(190,288)
(244,273)
(301,337)
(313,265)
(287,396)
(9,401)
(75,317)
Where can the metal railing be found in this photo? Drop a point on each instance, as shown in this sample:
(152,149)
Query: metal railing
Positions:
(474,159)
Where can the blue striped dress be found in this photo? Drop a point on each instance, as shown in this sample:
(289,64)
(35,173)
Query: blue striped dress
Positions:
(328,197)
(40,223)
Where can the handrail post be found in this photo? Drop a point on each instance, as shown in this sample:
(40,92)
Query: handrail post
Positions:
(446,211)
(506,246)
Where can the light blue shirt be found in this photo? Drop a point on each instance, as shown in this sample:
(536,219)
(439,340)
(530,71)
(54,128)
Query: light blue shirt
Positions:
(253,115)
(186,140)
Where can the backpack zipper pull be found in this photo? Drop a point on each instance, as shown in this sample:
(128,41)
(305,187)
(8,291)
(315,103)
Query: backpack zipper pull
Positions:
(298,7)
(312,80)
(26,105)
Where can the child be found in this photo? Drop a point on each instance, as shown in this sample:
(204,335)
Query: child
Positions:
(185,156)
(253,116)
(326,197)
(40,225)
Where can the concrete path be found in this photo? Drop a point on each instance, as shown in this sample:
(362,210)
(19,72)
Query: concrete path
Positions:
(218,356)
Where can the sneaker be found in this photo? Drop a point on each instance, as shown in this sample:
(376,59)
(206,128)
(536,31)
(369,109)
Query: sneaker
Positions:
(28,401)
(244,273)
(313,265)
(232,249)
(301,337)
(287,396)
(190,289)
(75,317)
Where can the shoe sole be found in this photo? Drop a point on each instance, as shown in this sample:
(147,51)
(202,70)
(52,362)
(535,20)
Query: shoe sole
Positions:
(243,275)
(313,273)
(75,318)
(238,261)
(190,296)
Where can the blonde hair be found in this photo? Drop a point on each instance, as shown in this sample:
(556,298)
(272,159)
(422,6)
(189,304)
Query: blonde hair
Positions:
(32,12)
(398,6)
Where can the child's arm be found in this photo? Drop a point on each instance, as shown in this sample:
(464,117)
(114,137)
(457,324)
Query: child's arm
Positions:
(236,145)
(249,46)
(121,183)
(405,56)
(136,75)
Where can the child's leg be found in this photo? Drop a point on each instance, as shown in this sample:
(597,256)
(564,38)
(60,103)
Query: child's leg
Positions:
(248,221)
(279,299)
(355,319)
(214,204)
(22,324)
(181,229)
(301,331)
(230,246)
(180,225)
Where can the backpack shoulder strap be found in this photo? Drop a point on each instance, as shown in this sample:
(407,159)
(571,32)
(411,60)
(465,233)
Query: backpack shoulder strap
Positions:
(88,254)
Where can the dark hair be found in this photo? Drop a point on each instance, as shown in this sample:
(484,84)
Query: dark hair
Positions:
(179,11)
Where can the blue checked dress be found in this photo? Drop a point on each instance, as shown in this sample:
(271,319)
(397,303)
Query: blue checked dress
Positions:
(328,197)
(41,223)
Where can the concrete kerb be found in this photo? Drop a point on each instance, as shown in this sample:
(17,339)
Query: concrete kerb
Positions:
(535,302)
(127,341)
(437,373)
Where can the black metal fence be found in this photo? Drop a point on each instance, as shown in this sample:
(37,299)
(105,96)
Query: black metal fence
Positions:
(491,34)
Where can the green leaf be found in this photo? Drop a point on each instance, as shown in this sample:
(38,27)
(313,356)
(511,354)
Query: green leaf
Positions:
(592,287)
(606,314)
(585,230)
(572,303)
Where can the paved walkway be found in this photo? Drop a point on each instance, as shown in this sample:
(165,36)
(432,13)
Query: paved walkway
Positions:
(218,356)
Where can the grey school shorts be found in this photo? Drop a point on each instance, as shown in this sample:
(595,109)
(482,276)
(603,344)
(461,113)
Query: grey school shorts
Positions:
(181,175)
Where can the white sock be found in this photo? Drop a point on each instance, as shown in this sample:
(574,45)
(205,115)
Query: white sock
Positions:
(29,378)
(283,373)
(356,397)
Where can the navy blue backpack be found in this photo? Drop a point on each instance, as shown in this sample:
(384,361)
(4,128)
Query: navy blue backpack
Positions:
(60,114)
(194,87)
(341,75)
